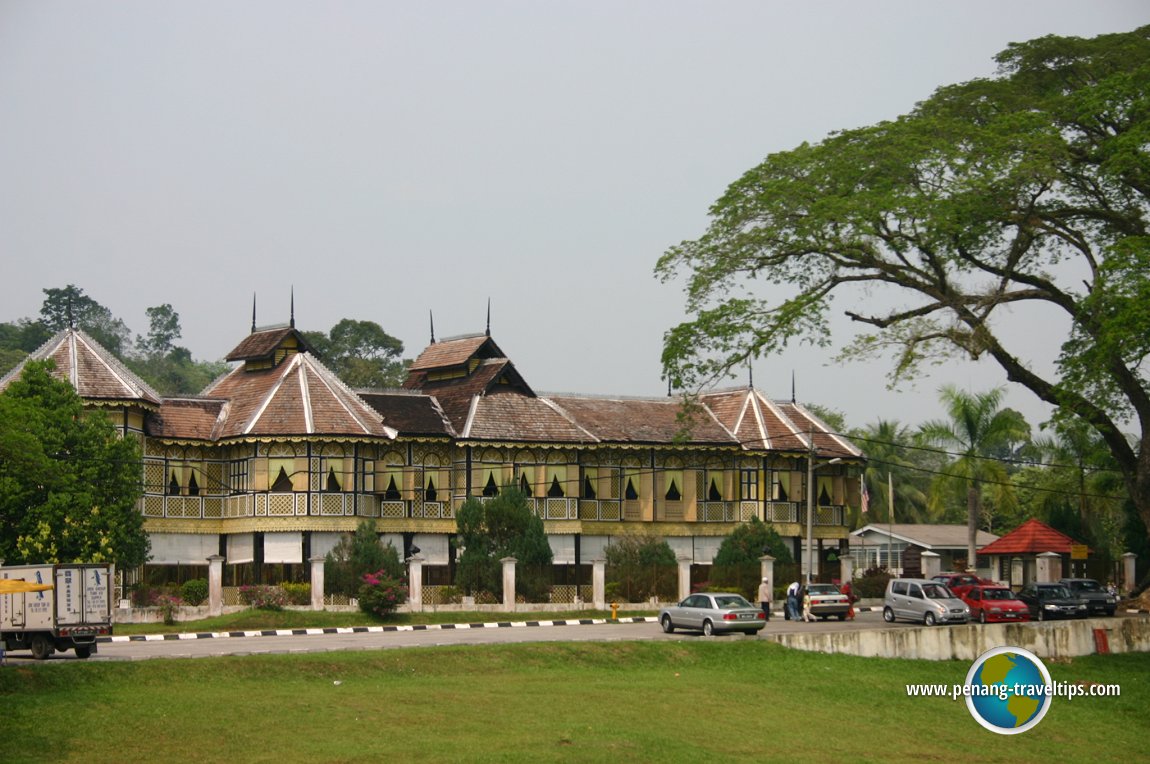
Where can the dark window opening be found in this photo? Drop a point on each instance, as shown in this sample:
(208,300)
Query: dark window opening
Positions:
(173,487)
(631,494)
(491,489)
(556,490)
(332,480)
(824,497)
(673,493)
(524,485)
(283,482)
(588,488)
(430,494)
(782,493)
(193,486)
(392,492)
(714,494)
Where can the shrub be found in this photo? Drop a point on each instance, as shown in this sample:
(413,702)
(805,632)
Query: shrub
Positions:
(642,567)
(195,591)
(450,595)
(297,594)
(380,595)
(356,555)
(167,603)
(871,583)
(263,597)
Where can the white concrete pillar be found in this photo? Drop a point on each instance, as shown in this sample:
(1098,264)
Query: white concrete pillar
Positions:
(317,582)
(931,564)
(215,585)
(684,577)
(1048,567)
(599,584)
(846,569)
(767,569)
(1128,582)
(509,583)
(415,583)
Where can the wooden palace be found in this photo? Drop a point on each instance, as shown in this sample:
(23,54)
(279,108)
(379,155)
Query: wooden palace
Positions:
(278,458)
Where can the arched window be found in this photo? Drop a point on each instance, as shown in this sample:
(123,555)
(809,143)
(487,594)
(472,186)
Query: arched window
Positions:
(491,489)
(430,494)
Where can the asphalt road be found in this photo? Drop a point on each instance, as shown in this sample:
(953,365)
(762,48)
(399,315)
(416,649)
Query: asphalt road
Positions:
(195,646)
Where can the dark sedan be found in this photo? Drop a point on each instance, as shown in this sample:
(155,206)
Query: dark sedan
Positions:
(714,613)
(1045,601)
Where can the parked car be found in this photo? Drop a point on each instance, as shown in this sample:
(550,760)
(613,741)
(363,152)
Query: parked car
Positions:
(960,582)
(923,600)
(1048,600)
(994,604)
(1097,599)
(714,613)
(827,600)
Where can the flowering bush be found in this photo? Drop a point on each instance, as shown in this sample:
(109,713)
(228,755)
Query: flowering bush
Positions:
(380,595)
(167,603)
(263,597)
(297,594)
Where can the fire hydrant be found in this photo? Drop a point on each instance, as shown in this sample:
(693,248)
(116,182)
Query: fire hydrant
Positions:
(614,611)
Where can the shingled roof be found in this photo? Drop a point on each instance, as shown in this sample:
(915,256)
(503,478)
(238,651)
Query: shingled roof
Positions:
(91,369)
(263,343)
(1032,537)
(298,397)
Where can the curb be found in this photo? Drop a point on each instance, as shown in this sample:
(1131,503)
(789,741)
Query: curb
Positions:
(367,629)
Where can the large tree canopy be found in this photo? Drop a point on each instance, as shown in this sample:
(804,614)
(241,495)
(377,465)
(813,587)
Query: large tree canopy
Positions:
(68,483)
(361,353)
(1029,188)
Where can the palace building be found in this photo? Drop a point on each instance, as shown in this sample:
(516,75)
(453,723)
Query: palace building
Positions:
(273,462)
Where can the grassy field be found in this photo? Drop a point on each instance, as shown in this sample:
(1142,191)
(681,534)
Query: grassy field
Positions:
(721,699)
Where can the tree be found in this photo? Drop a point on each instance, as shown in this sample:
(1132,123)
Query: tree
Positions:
(892,462)
(361,353)
(69,484)
(640,567)
(976,429)
(1028,189)
(356,555)
(163,331)
(71,307)
(167,367)
(503,526)
(737,563)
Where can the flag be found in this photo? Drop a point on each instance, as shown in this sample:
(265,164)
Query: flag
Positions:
(865,495)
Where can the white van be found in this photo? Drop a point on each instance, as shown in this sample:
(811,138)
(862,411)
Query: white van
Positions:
(923,601)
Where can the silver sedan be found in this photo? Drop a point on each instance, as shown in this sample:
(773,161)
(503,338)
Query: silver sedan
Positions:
(713,613)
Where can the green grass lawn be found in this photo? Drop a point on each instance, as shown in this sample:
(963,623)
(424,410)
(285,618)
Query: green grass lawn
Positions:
(723,699)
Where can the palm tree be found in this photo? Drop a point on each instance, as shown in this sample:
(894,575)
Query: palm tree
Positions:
(978,431)
(888,450)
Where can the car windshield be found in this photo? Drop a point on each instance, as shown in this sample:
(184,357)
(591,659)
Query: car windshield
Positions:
(823,589)
(730,602)
(1087,586)
(937,592)
(997,594)
(1052,592)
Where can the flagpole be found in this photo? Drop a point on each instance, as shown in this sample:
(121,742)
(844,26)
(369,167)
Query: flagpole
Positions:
(890,523)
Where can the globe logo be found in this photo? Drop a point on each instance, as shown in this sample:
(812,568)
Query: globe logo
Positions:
(1008,690)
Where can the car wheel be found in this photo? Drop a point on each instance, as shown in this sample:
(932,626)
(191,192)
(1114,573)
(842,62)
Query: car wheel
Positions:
(888,615)
(668,627)
(1110,612)
(982,616)
(708,629)
(842,616)
(83,651)
(41,647)
(929,619)
(1041,614)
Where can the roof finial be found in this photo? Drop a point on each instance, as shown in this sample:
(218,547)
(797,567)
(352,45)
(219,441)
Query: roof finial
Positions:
(292,306)
(71,314)
(668,387)
(253,312)
(750,375)
(431,316)
(792,385)
(488,316)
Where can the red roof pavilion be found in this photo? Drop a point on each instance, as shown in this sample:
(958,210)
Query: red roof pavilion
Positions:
(1032,537)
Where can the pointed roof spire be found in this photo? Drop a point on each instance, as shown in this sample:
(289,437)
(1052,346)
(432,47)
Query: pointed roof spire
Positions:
(431,317)
(292,322)
(253,312)
(71,315)
(792,385)
(750,375)
(488,316)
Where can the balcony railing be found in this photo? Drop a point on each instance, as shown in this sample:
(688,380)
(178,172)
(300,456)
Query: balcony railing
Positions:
(595,509)
(557,509)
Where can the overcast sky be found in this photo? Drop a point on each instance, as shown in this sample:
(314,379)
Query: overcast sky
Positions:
(395,159)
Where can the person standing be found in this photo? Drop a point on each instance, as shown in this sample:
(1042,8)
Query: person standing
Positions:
(807,617)
(765,598)
(851,599)
(793,601)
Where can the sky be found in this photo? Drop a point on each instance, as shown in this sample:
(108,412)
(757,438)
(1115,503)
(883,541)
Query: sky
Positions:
(397,162)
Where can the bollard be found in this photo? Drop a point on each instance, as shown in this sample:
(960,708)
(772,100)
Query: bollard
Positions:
(614,611)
